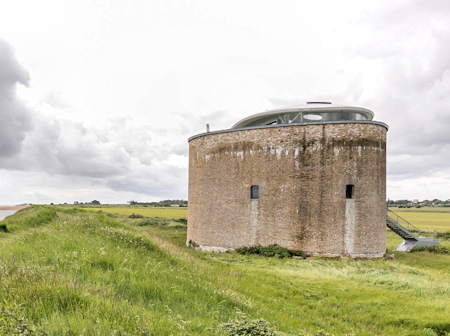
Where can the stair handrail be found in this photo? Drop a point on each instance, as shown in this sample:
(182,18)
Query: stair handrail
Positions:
(403,222)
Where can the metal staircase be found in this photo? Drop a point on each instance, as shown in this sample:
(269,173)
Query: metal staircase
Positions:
(409,233)
(401,226)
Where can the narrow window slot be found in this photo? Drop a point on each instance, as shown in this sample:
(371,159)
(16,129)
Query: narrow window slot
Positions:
(254,193)
(349,191)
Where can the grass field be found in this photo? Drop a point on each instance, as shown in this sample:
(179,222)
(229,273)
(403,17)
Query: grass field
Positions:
(425,218)
(422,209)
(67,271)
(172,212)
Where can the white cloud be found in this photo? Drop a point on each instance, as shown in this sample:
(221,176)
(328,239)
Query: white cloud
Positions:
(117,88)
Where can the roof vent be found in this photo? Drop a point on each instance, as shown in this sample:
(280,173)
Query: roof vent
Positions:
(318,102)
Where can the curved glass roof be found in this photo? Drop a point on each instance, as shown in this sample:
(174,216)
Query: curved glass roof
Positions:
(309,113)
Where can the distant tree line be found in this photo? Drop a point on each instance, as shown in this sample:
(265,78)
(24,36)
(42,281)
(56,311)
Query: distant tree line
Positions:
(164,203)
(95,202)
(408,203)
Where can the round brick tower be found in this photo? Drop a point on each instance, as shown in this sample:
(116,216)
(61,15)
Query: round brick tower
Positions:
(310,178)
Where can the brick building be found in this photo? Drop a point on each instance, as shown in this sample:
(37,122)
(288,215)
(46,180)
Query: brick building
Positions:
(310,178)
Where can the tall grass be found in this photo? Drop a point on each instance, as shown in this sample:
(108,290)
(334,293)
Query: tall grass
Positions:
(84,273)
(25,219)
(88,274)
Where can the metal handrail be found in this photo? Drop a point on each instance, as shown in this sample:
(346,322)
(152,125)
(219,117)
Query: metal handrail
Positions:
(403,222)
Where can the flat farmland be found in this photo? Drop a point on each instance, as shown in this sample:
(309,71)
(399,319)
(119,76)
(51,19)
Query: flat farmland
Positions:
(422,209)
(169,212)
(426,219)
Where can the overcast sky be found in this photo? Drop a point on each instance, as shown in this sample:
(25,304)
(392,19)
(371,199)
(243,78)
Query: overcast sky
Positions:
(98,98)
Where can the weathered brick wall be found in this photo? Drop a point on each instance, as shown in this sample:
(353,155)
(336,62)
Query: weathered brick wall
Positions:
(302,172)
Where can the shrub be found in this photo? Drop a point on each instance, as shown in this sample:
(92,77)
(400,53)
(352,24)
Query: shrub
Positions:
(242,325)
(3,228)
(443,235)
(434,249)
(193,244)
(135,216)
(149,222)
(440,249)
(162,222)
(270,251)
(72,211)
(437,329)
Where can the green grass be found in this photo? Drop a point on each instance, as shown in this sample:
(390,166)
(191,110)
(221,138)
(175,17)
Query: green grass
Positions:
(172,212)
(80,272)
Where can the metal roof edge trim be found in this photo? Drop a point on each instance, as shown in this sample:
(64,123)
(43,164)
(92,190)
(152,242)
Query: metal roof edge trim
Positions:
(290,125)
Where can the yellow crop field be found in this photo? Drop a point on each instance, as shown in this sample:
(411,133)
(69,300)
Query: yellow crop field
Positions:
(426,220)
(173,212)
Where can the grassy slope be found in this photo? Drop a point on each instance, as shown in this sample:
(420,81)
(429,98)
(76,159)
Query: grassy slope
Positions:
(86,273)
(78,272)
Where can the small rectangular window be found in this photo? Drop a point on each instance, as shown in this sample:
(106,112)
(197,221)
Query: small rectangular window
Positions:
(349,191)
(255,192)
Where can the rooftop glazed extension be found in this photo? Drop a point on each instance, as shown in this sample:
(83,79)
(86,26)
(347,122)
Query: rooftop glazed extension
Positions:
(309,113)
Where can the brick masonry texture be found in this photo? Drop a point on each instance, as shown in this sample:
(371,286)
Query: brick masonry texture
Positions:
(302,172)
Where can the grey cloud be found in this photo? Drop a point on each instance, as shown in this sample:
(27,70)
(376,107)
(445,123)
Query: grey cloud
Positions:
(146,187)
(56,100)
(14,115)
(181,148)
(70,148)
(432,163)
(411,39)
(11,71)
(120,154)
(409,43)
(39,142)
(162,180)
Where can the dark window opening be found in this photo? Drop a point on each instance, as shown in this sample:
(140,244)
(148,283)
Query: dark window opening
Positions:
(255,192)
(349,191)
